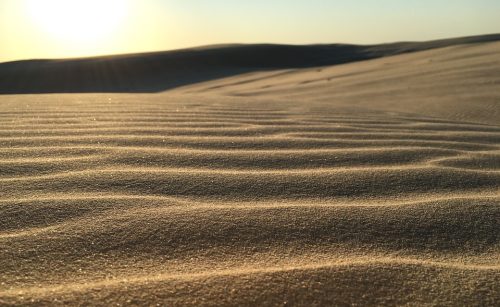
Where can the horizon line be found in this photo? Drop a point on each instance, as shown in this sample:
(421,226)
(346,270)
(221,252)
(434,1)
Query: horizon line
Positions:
(191,48)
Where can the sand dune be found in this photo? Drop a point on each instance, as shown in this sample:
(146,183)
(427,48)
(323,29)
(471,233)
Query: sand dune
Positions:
(273,188)
(160,71)
(458,83)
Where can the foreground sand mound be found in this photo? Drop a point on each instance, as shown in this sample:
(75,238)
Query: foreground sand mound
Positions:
(144,199)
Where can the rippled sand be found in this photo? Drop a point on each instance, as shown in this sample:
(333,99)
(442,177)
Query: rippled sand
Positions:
(378,187)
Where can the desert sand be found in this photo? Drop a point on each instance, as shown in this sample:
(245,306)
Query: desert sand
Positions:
(375,182)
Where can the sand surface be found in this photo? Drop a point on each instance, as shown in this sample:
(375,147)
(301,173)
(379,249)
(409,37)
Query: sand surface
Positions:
(370,183)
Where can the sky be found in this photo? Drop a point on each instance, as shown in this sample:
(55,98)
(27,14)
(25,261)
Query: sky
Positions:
(72,28)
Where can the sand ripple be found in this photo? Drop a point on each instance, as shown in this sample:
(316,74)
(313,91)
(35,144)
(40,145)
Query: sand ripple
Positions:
(137,199)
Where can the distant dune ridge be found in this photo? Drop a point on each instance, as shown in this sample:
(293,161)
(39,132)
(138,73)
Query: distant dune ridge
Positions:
(375,182)
(159,71)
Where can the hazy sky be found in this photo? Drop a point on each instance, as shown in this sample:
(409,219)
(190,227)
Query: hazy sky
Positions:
(68,28)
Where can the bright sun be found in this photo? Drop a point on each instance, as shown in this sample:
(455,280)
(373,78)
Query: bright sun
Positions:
(78,21)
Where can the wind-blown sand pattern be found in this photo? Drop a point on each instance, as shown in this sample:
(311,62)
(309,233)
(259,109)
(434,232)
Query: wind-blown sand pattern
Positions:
(239,197)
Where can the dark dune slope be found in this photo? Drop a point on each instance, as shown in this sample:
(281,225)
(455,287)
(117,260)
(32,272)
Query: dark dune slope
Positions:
(154,72)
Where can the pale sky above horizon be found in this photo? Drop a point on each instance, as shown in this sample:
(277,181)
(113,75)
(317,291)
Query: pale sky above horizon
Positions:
(71,28)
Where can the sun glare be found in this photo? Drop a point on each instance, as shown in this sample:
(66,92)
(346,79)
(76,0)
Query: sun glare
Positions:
(78,21)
